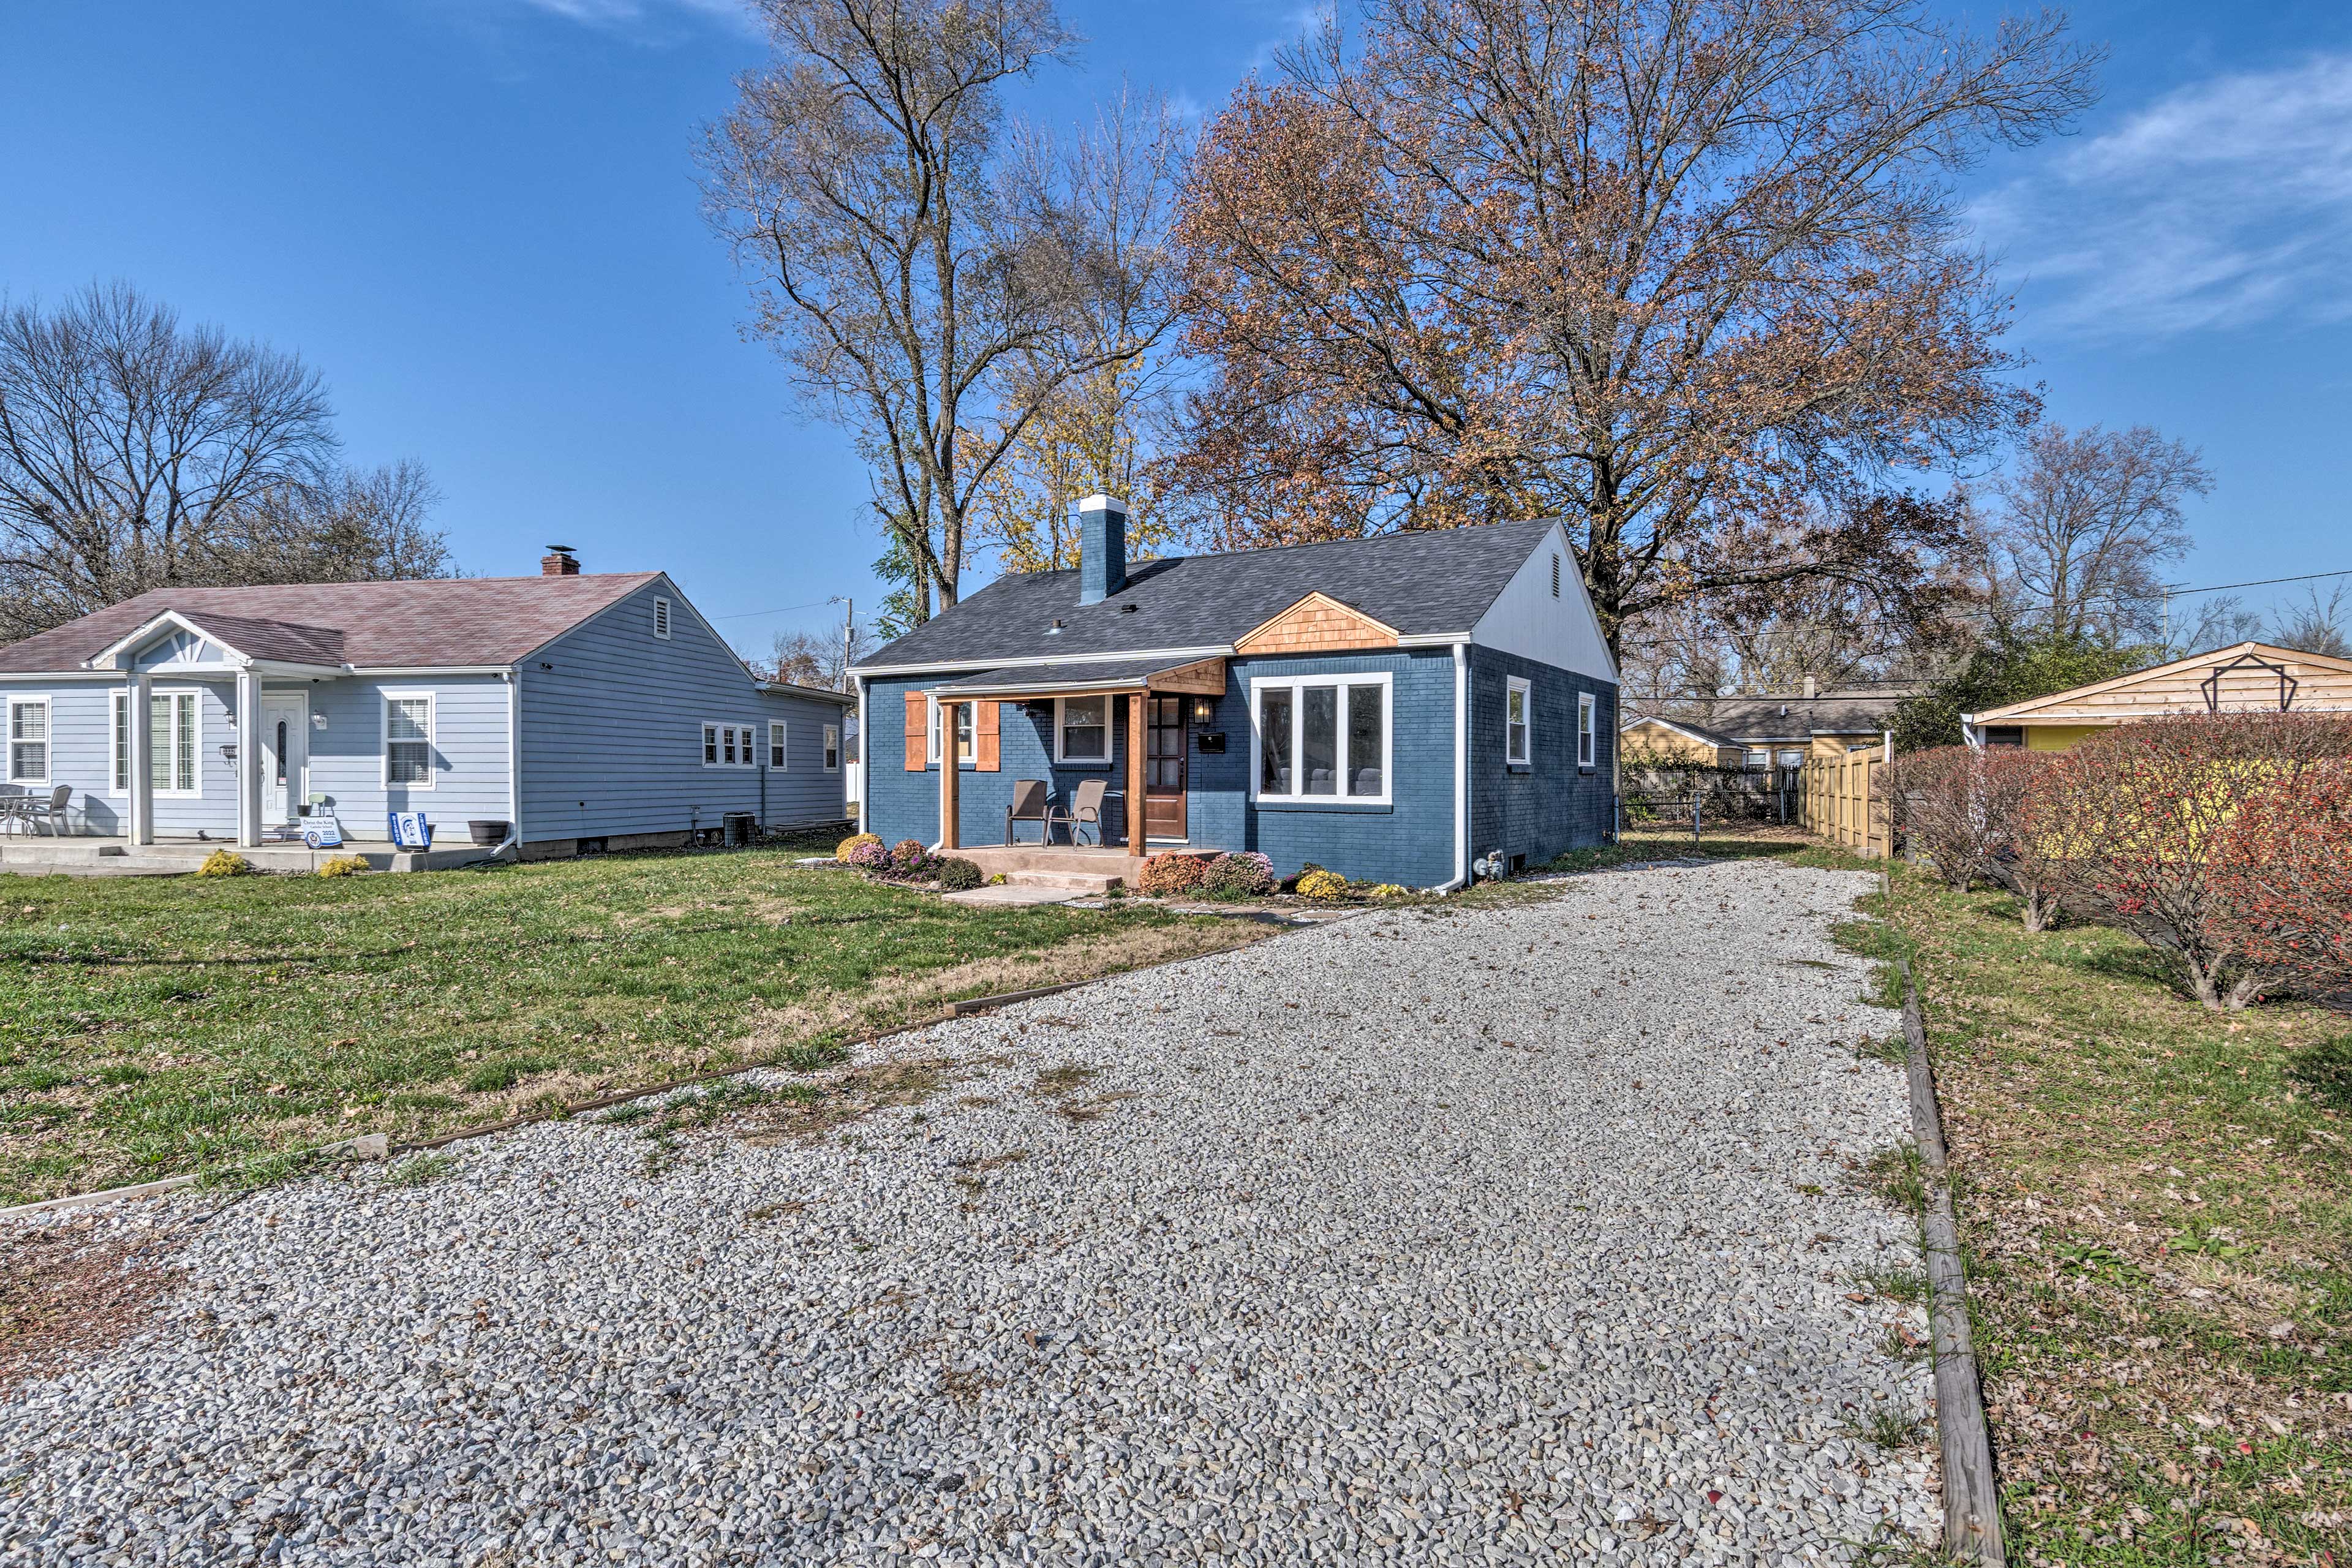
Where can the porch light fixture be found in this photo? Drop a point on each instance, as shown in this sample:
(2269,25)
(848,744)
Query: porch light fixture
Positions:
(1204,710)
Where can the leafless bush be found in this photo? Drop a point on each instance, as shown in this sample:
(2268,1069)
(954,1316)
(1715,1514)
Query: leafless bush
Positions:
(2134,826)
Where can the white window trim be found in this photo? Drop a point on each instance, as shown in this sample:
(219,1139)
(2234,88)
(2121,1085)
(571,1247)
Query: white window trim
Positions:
(1062,759)
(662,622)
(779,745)
(1588,735)
(1295,683)
(118,742)
(966,718)
(49,739)
(170,741)
(1526,691)
(745,738)
(833,748)
(386,698)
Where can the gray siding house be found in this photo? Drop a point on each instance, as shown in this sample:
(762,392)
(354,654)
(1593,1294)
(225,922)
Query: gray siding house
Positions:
(577,709)
(1406,708)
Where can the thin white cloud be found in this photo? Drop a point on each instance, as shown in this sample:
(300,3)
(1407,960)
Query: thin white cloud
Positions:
(2226,203)
(636,15)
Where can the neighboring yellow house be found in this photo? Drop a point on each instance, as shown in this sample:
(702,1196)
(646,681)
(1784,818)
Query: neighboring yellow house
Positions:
(2251,677)
(1759,733)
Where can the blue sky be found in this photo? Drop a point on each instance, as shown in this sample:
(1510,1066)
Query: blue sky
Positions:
(478,219)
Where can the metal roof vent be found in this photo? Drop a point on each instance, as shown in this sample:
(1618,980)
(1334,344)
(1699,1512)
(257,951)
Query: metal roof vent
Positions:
(1055,630)
(1126,609)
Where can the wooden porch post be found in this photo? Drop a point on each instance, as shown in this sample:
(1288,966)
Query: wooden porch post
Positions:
(947,769)
(1136,702)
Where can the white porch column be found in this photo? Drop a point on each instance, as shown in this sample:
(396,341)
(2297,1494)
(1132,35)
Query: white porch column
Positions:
(142,763)
(248,759)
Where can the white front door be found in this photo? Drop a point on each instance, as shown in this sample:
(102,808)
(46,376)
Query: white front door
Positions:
(285,749)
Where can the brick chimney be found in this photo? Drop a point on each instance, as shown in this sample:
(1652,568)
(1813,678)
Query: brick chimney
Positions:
(1102,548)
(559,561)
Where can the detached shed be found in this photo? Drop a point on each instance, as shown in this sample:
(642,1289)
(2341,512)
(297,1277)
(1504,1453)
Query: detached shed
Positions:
(2248,676)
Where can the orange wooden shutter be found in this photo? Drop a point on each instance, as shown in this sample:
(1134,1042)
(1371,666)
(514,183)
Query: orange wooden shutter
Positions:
(919,730)
(984,738)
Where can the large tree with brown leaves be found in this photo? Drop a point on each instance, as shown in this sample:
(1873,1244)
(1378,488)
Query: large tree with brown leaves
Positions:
(1687,272)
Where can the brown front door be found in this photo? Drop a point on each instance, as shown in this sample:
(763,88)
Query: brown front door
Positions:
(1163,770)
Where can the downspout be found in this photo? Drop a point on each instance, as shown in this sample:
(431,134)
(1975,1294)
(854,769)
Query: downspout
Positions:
(513,839)
(1461,769)
(865,758)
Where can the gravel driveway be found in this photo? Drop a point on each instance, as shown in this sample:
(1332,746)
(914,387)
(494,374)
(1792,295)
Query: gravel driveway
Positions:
(1511,1234)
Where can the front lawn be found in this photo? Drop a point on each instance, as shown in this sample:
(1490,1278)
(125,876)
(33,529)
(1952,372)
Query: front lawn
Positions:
(2158,1205)
(150,1027)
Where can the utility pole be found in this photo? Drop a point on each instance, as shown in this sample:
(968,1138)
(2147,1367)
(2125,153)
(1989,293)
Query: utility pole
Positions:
(848,639)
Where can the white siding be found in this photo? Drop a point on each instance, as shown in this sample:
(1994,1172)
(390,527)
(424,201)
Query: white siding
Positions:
(1563,632)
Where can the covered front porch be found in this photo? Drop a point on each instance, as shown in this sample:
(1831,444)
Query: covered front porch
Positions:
(1153,802)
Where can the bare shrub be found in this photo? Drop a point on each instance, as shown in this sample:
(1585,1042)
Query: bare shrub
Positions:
(1931,801)
(2135,825)
(2285,882)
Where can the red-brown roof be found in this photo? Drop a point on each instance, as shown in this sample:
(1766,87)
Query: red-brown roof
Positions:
(412,625)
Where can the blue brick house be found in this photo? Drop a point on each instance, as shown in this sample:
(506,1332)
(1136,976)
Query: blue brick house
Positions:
(576,710)
(1421,709)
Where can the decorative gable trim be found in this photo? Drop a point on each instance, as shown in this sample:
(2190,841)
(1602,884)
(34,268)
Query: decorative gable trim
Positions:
(1317,624)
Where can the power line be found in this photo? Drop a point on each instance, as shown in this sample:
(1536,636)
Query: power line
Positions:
(788,609)
(2174,593)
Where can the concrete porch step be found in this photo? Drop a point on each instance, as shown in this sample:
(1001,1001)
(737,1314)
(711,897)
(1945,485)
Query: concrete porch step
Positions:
(1066,881)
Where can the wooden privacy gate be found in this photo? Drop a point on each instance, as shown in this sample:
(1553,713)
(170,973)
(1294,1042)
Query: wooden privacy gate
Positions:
(1841,800)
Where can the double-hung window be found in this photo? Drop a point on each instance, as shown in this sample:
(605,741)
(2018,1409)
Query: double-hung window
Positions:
(833,748)
(1081,731)
(1586,741)
(778,752)
(729,746)
(1321,738)
(28,740)
(1519,722)
(408,739)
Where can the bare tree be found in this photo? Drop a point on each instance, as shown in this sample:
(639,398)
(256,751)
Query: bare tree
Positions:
(2316,626)
(925,274)
(348,525)
(813,658)
(2087,520)
(137,453)
(1670,268)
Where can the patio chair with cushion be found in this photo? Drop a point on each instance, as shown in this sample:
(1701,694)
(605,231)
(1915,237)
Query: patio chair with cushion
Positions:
(1085,810)
(1031,802)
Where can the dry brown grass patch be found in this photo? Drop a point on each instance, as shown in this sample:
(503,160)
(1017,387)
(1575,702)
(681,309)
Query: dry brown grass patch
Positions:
(66,1297)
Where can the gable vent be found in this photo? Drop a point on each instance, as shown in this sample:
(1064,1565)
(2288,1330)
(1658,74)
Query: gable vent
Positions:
(661,618)
(1555,574)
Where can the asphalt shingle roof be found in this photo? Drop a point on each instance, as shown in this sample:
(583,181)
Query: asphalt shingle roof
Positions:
(1421,583)
(406,624)
(1094,672)
(1740,720)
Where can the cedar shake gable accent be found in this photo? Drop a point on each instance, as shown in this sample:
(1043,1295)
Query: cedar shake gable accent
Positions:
(440,623)
(1317,624)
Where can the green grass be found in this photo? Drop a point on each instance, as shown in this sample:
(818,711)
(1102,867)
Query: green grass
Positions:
(158,1026)
(2156,1202)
